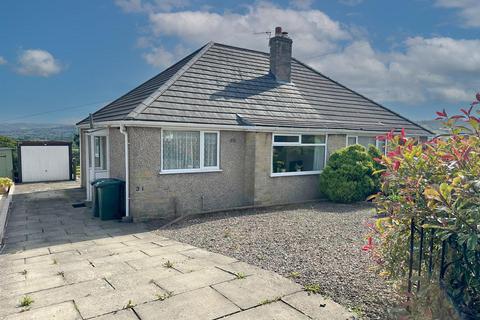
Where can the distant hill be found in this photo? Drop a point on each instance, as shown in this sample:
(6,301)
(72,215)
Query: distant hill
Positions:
(62,132)
(38,131)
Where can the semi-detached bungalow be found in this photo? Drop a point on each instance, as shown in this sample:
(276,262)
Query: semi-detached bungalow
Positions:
(228,127)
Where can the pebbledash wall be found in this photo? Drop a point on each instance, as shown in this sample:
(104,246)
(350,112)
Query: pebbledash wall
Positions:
(116,152)
(244,179)
(155,195)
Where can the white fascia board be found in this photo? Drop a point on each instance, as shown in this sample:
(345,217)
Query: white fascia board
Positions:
(159,124)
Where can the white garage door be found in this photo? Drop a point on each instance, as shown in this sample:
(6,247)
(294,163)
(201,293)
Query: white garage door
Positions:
(45,163)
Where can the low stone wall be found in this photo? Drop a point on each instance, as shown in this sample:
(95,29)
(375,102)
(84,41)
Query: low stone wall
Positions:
(5,201)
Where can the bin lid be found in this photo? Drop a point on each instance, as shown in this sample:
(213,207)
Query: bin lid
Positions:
(99,180)
(108,182)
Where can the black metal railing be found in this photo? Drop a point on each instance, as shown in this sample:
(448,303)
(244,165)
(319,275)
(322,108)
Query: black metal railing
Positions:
(429,253)
(422,255)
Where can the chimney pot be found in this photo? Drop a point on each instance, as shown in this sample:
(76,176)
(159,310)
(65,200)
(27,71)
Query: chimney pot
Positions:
(281,56)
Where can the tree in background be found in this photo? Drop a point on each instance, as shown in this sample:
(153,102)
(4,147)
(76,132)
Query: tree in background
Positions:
(7,142)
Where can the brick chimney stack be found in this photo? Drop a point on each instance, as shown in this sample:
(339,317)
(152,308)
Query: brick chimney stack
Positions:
(281,55)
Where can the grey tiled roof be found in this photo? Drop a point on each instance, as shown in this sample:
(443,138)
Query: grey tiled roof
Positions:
(224,85)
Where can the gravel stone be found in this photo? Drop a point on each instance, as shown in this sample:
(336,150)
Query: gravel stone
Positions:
(318,243)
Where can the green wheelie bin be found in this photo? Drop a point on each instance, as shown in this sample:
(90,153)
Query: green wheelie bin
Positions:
(95,195)
(109,193)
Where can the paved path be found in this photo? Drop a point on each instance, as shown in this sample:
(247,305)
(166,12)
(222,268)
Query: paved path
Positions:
(73,266)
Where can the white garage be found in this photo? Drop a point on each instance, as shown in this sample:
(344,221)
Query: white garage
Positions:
(45,161)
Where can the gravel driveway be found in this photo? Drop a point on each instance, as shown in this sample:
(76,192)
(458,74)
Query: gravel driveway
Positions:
(315,244)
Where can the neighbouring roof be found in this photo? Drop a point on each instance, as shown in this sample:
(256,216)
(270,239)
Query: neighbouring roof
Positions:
(224,85)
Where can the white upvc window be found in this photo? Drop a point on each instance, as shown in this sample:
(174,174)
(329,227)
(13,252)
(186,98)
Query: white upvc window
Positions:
(100,152)
(186,151)
(298,154)
(366,141)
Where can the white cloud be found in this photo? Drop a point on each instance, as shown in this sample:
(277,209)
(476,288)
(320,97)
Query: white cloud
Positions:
(2,60)
(416,70)
(434,69)
(160,57)
(301,4)
(38,62)
(469,10)
(130,5)
(313,32)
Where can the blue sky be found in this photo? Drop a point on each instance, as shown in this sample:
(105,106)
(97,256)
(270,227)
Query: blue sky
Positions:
(63,59)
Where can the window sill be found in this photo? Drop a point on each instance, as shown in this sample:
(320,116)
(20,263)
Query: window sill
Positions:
(189,171)
(296,173)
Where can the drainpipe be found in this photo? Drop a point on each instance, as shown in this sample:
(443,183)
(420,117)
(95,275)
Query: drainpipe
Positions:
(127,217)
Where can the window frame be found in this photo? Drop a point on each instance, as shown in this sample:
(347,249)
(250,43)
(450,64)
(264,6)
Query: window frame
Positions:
(364,135)
(351,136)
(297,144)
(299,136)
(202,168)
(103,152)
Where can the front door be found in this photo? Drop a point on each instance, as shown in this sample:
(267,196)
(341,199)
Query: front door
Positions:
(98,158)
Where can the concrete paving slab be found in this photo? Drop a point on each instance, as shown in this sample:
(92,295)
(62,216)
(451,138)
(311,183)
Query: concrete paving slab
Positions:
(68,258)
(160,251)
(38,270)
(27,286)
(167,242)
(97,305)
(194,264)
(91,273)
(92,247)
(152,239)
(64,311)
(243,268)
(204,254)
(252,291)
(139,278)
(317,307)
(201,304)
(70,292)
(114,257)
(6,279)
(43,235)
(56,295)
(127,314)
(156,261)
(108,240)
(17,238)
(29,253)
(194,280)
(67,247)
(61,257)
(271,311)
(141,246)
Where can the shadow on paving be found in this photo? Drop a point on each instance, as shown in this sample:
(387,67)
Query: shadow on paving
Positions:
(46,218)
(61,263)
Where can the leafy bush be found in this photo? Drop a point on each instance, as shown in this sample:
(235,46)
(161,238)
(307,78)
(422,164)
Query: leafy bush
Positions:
(438,185)
(349,175)
(5,184)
